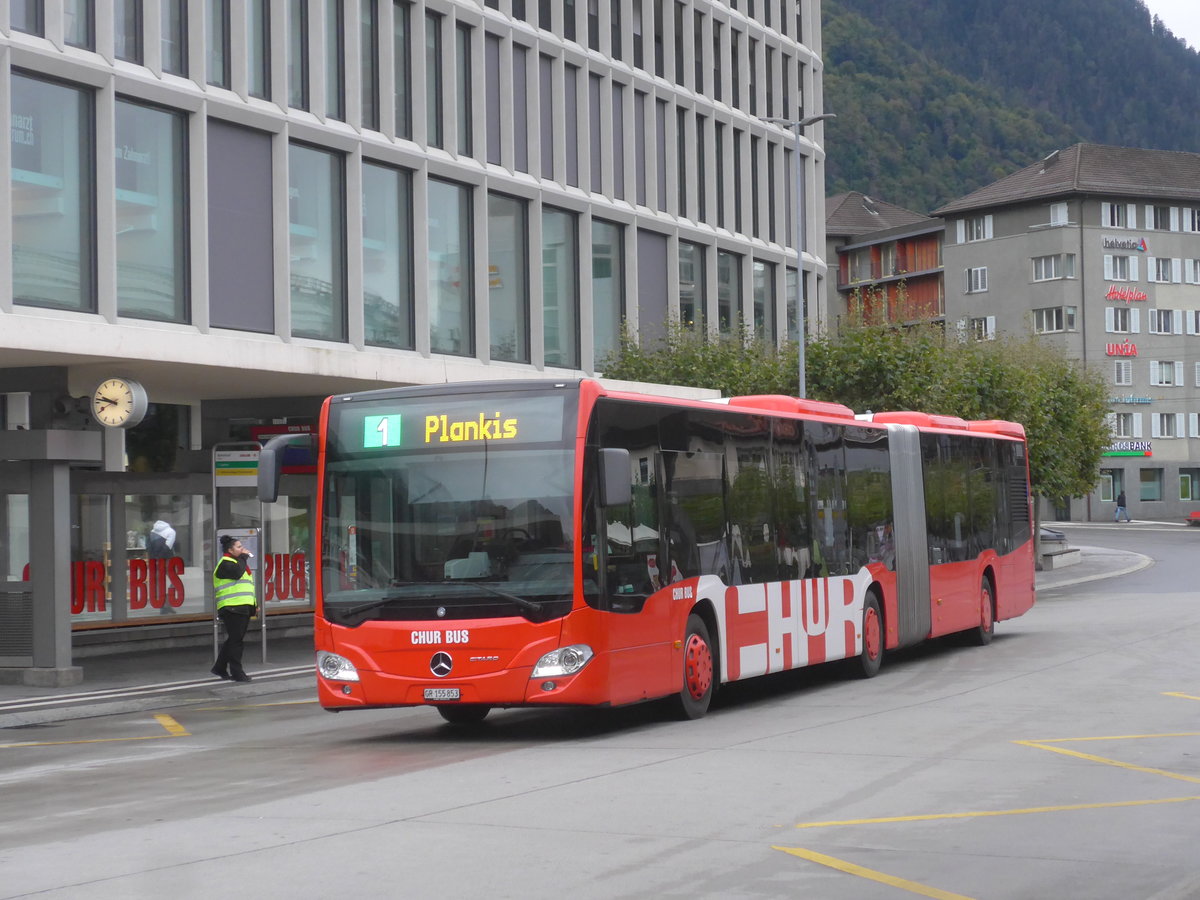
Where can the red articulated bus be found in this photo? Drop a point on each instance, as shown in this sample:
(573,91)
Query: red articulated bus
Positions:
(555,543)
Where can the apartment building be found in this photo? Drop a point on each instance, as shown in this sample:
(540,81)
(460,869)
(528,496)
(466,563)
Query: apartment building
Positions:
(238,208)
(888,262)
(1097,250)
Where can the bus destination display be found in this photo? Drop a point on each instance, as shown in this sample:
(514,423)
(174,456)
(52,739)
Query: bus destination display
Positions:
(413,426)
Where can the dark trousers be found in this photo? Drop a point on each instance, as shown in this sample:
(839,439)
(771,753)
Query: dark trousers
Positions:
(236,623)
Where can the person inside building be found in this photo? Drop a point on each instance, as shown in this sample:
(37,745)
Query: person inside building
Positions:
(233,587)
(161,542)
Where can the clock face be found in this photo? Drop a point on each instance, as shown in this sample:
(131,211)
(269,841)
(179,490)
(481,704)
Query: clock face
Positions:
(119,403)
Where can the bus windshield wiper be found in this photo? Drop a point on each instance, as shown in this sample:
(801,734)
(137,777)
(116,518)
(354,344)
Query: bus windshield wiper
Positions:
(388,598)
(528,605)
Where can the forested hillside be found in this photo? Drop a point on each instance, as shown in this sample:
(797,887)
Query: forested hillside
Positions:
(936,98)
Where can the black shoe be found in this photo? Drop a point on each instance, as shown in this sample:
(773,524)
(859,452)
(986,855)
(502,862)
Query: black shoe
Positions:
(241,676)
(220,673)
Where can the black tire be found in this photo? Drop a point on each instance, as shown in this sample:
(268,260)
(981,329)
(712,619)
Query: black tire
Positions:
(871,657)
(982,634)
(699,671)
(467,714)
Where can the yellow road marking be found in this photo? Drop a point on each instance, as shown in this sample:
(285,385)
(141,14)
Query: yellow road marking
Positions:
(982,814)
(174,729)
(1110,762)
(1177,694)
(862,872)
(1113,737)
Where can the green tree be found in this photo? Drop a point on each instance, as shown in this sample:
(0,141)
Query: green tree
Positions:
(1061,404)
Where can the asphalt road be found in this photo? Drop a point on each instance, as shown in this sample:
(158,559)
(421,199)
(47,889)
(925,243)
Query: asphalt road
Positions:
(1063,760)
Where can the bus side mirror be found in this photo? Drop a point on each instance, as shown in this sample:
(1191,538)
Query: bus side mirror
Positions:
(270,462)
(615,486)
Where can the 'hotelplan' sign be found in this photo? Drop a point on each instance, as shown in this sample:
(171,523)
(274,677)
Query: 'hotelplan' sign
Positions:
(1129,448)
(1124,293)
(1138,244)
(1129,398)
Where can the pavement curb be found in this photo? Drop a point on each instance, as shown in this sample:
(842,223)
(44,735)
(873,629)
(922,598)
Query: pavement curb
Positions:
(106,707)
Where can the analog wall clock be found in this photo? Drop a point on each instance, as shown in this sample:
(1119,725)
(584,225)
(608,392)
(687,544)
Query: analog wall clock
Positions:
(119,403)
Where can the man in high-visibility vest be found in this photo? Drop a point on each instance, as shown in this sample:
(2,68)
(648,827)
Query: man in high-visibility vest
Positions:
(233,586)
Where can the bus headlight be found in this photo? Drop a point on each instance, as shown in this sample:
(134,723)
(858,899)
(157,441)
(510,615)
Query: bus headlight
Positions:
(563,661)
(335,668)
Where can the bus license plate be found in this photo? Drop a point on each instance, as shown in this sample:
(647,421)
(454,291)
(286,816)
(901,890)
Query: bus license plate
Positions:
(441,693)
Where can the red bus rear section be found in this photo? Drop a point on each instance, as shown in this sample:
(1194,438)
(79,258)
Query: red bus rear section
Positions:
(561,544)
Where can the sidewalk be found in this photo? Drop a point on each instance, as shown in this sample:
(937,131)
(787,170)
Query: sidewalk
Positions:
(154,679)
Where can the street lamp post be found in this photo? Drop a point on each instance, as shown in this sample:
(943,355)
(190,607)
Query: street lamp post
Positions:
(798,126)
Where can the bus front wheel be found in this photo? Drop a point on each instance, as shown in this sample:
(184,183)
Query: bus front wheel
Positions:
(468,714)
(699,680)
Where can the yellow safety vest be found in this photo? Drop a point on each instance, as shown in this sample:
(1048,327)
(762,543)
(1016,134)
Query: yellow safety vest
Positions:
(233,591)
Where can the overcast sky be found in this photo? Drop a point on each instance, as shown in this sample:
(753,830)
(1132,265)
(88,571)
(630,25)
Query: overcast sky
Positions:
(1181,16)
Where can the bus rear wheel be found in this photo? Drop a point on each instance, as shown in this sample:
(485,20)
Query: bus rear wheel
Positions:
(982,634)
(468,714)
(871,657)
(699,679)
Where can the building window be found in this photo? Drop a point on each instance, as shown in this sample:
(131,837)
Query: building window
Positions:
(608,287)
(1055,266)
(977,281)
(1162,321)
(1197,375)
(1165,373)
(982,328)
(387,256)
(216,34)
(1120,268)
(978,228)
(462,87)
(79,24)
(508,277)
(571,122)
(1122,425)
(1123,372)
(258,48)
(1191,218)
(1116,215)
(1058,214)
(1191,271)
(764,301)
(639,56)
(433,79)
(1189,484)
(560,302)
(402,76)
(127,30)
(1162,219)
(618,140)
(691,285)
(369,72)
(52,190)
(1121,320)
(1166,425)
(450,287)
(335,60)
(27,16)
(792,305)
(317,228)
(297,62)
(173,30)
(729,291)
(520,123)
(1151,483)
(1054,318)
(151,206)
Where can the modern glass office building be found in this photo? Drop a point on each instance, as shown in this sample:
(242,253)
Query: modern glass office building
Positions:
(247,205)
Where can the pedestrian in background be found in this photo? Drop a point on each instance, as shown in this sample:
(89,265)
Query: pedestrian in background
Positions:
(161,542)
(1121,510)
(233,586)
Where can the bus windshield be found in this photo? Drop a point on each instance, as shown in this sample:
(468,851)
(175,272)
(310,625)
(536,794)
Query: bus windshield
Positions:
(476,528)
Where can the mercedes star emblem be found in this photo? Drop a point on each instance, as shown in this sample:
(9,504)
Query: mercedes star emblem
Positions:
(441,612)
(441,664)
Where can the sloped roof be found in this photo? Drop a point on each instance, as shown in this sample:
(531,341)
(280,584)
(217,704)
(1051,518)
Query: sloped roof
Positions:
(854,213)
(1092,169)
